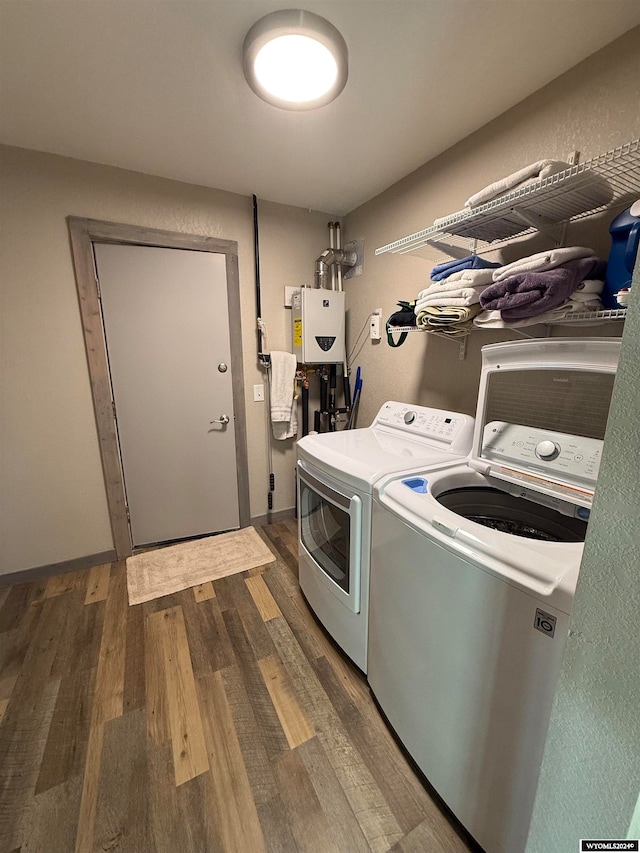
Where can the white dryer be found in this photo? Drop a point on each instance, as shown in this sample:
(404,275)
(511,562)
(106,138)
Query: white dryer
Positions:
(336,474)
(473,572)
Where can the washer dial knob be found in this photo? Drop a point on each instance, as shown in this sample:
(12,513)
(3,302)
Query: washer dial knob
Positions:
(547,450)
(409,417)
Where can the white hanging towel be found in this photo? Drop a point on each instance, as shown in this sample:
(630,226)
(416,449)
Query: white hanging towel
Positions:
(284,420)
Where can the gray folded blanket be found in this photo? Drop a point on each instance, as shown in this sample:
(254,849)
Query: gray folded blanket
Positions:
(532,293)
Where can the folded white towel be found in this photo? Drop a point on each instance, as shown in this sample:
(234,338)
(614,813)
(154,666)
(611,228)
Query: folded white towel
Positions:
(434,293)
(493,319)
(283,405)
(489,320)
(463,296)
(428,292)
(475,278)
(523,177)
(542,261)
(471,278)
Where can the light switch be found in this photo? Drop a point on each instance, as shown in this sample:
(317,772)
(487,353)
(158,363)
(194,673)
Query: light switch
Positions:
(258,393)
(374,327)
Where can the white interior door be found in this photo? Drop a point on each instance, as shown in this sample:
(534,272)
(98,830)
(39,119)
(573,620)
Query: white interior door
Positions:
(167,334)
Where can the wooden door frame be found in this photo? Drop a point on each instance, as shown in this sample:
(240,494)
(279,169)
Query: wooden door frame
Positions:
(83,234)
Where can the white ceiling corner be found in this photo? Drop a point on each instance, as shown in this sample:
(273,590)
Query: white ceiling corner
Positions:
(157,86)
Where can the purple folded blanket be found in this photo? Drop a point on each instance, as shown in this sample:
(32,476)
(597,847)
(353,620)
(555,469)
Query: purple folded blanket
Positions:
(532,293)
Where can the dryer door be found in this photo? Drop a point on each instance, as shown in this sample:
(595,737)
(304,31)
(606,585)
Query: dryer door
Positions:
(330,533)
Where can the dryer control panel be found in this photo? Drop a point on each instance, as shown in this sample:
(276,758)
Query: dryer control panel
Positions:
(561,457)
(422,421)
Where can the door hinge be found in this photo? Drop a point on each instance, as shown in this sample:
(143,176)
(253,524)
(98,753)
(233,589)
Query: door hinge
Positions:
(126,509)
(113,407)
(98,291)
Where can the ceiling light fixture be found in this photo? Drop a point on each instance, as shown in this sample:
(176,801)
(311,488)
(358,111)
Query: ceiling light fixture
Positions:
(295,60)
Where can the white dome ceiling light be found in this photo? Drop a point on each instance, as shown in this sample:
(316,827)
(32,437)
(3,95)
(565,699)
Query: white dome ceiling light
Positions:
(295,60)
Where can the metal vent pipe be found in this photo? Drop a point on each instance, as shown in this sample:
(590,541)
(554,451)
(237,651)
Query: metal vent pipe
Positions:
(330,258)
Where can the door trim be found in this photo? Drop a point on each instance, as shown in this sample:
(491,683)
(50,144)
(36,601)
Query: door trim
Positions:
(83,233)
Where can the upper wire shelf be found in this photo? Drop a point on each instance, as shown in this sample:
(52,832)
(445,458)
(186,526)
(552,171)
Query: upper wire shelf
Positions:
(605,181)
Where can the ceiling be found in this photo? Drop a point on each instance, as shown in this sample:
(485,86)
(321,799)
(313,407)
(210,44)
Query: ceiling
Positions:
(157,86)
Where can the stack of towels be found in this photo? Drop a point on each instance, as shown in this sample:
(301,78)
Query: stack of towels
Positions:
(452,299)
(540,288)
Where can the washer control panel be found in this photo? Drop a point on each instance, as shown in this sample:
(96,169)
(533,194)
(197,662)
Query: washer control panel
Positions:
(548,450)
(422,421)
(567,458)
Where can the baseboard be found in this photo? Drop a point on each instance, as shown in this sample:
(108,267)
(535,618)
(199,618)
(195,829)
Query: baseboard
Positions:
(78,564)
(270,517)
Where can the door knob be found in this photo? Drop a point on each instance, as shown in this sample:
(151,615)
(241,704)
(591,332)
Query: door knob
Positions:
(223,419)
(222,367)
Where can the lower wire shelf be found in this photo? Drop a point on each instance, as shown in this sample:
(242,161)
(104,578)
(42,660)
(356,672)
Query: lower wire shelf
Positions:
(584,318)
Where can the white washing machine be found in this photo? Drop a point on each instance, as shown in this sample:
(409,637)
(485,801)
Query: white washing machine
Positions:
(336,473)
(473,572)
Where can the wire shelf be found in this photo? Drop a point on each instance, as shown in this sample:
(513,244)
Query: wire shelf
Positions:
(606,181)
(405,328)
(569,319)
(588,317)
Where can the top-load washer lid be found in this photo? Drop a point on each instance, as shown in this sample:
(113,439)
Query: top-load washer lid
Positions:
(542,413)
(458,509)
(400,438)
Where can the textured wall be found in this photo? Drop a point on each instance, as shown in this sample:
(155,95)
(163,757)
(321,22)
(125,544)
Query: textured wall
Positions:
(634,827)
(590,779)
(53,504)
(591,776)
(592,108)
(53,501)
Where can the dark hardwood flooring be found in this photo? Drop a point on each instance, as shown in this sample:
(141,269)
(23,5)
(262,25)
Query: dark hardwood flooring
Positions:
(220,718)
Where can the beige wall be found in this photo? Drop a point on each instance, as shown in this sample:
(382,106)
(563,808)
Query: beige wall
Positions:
(590,780)
(592,108)
(53,502)
(53,499)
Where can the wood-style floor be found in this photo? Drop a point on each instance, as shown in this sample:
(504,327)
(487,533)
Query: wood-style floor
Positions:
(220,718)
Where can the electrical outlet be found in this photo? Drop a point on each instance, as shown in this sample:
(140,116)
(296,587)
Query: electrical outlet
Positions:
(288,295)
(258,393)
(374,327)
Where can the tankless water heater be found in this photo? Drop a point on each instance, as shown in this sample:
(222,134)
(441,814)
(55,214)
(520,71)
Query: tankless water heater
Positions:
(318,326)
